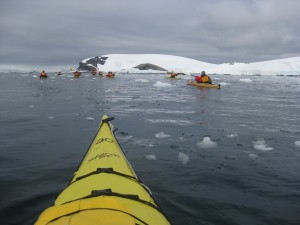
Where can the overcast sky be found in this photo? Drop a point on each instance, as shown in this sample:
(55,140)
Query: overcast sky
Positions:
(60,33)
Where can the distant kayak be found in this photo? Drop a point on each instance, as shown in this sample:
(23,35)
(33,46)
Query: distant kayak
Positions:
(77,74)
(203,85)
(110,75)
(104,190)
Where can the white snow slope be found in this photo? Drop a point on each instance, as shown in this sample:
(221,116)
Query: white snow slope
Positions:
(127,62)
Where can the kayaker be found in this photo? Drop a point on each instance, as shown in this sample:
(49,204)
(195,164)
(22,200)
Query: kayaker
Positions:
(110,74)
(77,73)
(173,75)
(203,78)
(43,74)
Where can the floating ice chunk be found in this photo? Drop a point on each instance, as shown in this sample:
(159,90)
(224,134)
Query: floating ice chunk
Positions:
(297,143)
(144,143)
(161,84)
(246,80)
(142,80)
(232,135)
(162,135)
(34,76)
(224,84)
(207,143)
(261,145)
(253,156)
(183,158)
(50,117)
(90,118)
(31,106)
(178,122)
(150,157)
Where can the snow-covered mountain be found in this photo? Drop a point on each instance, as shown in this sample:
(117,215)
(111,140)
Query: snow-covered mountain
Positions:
(143,63)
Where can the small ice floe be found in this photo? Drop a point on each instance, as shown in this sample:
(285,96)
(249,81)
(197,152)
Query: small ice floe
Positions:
(69,98)
(253,156)
(246,80)
(90,118)
(183,158)
(161,84)
(34,75)
(125,138)
(224,84)
(150,157)
(178,122)
(51,117)
(232,135)
(162,135)
(207,143)
(143,143)
(142,80)
(297,143)
(31,106)
(261,145)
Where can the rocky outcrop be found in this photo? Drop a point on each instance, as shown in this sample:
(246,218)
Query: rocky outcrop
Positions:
(92,63)
(149,66)
(84,66)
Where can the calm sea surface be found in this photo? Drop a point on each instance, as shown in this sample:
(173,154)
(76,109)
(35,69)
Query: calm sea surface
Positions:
(229,156)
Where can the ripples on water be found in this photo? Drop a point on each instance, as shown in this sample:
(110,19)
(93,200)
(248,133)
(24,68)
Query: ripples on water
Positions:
(228,156)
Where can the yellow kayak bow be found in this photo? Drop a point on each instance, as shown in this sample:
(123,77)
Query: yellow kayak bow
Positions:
(104,190)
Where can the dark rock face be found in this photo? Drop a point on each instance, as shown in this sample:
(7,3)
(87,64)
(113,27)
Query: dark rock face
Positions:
(84,66)
(149,66)
(92,63)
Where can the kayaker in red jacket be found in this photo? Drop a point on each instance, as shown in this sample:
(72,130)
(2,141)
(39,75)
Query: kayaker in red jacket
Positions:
(203,78)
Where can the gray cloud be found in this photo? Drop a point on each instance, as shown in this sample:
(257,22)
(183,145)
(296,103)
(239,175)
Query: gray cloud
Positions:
(63,32)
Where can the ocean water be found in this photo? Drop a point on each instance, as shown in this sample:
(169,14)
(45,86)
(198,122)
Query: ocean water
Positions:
(229,156)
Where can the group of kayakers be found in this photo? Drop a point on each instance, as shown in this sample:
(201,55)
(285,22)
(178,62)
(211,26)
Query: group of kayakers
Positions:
(203,78)
(77,73)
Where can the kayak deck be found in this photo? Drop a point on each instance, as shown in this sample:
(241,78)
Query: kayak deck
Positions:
(203,85)
(104,190)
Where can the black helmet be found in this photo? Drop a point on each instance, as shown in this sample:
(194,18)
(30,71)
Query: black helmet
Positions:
(203,73)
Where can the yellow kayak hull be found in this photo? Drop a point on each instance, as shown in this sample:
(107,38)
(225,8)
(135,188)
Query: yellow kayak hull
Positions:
(104,190)
(203,85)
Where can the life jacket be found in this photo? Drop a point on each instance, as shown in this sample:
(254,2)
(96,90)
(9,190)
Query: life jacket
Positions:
(198,79)
(43,74)
(206,79)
